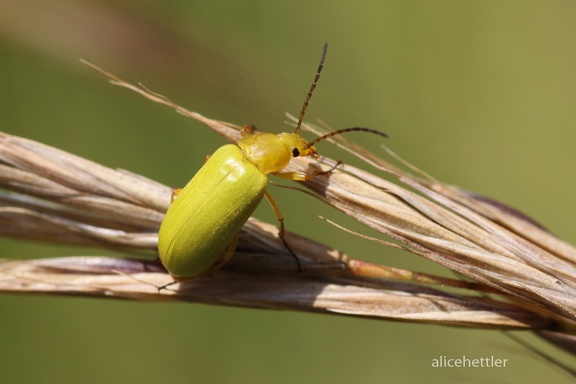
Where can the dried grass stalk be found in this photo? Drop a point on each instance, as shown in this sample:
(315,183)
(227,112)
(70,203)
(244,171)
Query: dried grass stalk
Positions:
(51,195)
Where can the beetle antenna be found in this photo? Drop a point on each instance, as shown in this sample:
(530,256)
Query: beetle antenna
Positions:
(312,87)
(341,131)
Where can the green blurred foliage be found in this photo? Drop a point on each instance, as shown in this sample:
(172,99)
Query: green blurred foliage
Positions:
(479,94)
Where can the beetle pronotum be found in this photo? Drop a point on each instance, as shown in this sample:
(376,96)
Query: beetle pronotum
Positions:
(200,230)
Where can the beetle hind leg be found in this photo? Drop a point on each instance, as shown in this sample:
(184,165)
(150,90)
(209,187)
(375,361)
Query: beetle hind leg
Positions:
(227,255)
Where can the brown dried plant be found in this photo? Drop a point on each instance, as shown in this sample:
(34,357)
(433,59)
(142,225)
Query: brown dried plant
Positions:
(515,274)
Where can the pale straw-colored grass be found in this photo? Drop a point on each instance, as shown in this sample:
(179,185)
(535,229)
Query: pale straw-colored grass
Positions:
(515,275)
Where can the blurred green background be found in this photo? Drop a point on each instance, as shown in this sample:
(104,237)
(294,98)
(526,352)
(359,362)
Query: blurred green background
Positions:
(480,94)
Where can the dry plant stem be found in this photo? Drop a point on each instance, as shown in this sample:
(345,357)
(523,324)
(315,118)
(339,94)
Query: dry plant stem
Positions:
(55,196)
(271,289)
(461,237)
(60,197)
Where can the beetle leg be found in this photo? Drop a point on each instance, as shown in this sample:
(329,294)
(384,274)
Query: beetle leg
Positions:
(174,195)
(224,259)
(280,218)
(301,176)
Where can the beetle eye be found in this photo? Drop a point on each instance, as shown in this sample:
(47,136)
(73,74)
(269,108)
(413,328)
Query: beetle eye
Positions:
(295,152)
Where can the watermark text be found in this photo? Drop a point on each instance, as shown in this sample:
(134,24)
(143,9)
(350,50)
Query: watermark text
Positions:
(468,362)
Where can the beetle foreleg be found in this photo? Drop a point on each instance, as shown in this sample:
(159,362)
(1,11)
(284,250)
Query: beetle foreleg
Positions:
(301,176)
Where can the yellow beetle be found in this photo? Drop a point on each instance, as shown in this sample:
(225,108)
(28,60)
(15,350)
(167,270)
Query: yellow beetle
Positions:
(200,230)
